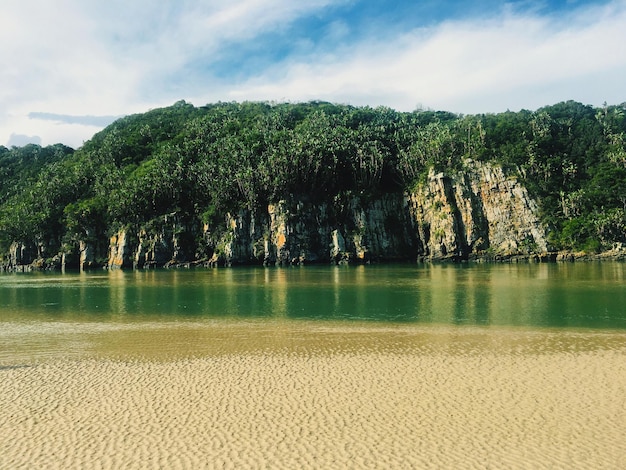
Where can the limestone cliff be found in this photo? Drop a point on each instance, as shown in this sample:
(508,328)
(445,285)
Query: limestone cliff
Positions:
(119,251)
(20,255)
(478,212)
(163,242)
(298,232)
(475,211)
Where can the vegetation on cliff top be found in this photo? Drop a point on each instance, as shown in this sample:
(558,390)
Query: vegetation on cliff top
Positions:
(203,162)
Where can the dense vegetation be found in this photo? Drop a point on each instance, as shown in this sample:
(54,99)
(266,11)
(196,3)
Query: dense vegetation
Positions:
(201,162)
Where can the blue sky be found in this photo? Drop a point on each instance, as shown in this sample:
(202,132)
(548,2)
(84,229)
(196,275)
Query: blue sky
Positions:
(71,66)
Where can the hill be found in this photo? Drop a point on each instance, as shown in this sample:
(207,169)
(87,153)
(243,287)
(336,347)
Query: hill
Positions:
(317,182)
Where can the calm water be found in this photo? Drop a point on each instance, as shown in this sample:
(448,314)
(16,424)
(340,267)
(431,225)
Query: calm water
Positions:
(587,295)
(54,313)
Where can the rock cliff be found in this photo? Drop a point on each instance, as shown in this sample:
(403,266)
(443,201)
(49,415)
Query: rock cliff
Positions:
(475,213)
(299,232)
(165,241)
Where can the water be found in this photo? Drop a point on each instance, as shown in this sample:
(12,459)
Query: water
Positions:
(190,312)
(589,295)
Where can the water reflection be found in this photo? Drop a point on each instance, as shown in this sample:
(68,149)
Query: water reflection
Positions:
(554,295)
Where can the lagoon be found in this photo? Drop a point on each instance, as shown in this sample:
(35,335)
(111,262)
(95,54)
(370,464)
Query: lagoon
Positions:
(567,295)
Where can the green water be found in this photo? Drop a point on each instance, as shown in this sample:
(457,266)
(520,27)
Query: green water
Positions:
(584,295)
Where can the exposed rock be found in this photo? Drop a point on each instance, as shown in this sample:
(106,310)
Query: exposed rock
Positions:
(87,257)
(21,254)
(163,242)
(477,210)
(120,253)
(300,232)
(153,250)
(244,241)
(565,256)
(382,229)
(475,214)
(337,246)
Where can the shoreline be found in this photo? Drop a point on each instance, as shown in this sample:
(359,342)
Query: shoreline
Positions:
(618,255)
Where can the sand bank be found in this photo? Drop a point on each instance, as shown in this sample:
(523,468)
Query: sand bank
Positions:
(357,398)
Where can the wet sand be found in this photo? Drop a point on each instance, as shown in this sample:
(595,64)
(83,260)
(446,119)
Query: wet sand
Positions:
(223,396)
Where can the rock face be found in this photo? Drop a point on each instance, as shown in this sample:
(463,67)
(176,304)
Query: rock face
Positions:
(119,252)
(160,244)
(472,214)
(87,257)
(478,210)
(475,212)
(299,232)
(20,256)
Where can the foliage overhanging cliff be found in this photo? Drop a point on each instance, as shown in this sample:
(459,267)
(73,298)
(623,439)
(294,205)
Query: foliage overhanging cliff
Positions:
(259,182)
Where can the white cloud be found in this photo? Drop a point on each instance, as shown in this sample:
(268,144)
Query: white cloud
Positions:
(53,63)
(511,61)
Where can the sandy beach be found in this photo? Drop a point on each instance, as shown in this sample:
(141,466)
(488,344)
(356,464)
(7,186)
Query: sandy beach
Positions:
(217,396)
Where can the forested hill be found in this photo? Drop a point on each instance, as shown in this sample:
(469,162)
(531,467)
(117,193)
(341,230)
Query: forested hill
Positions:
(198,167)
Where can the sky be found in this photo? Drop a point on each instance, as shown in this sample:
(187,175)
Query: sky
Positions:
(71,67)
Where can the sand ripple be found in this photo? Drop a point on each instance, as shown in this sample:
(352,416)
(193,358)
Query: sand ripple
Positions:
(477,402)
